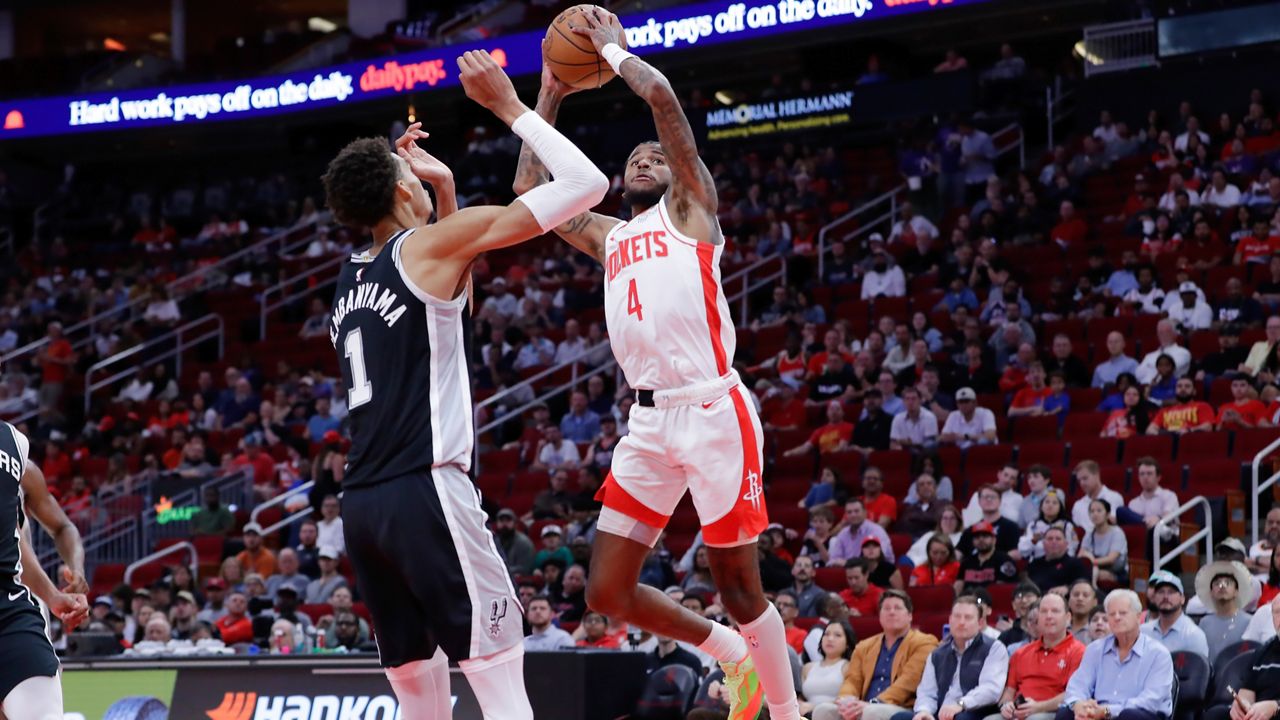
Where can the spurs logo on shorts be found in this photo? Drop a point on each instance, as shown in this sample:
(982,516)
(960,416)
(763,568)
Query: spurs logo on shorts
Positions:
(497,611)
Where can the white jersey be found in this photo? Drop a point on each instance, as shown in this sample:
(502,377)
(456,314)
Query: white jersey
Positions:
(668,319)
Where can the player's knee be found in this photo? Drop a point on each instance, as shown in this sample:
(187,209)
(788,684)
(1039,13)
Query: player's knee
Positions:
(741,603)
(608,600)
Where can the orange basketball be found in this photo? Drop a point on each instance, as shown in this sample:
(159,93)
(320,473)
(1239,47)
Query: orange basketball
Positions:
(572,57)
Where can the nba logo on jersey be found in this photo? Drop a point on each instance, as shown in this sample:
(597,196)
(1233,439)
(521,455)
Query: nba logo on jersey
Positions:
(497,611)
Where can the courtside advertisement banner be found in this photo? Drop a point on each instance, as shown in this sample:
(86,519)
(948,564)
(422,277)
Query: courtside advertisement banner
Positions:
(722,21)
(118,694)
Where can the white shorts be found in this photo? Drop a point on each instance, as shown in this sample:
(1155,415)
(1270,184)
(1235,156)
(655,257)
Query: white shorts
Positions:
(710,446)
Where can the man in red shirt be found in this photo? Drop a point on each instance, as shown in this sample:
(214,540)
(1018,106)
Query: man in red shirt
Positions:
(830,344)
(789,609)
(1188,415)
(1070,230)
(881,508)
(786,412)
(1030,399)
(833,436)
(235,626)
(861,596)
(1243,410)
(264,468)
(1039,670)
(56,359)
(1259,246)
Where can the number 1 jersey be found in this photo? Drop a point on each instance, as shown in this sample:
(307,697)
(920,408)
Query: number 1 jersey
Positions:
(668,319)
(404,360)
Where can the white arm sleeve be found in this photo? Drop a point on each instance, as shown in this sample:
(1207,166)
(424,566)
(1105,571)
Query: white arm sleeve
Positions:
(577,184)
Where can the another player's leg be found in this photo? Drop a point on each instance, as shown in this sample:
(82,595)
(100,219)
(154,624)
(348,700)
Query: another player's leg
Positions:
(498,683)
(737,574)
(36,698)
(614,589)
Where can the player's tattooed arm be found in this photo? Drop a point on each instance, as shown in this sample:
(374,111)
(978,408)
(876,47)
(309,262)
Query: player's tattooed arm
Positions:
(586,231)
(693,183)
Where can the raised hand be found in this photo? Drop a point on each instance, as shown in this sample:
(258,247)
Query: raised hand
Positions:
(422,164)
(601,27)
(551,84)
(484,82)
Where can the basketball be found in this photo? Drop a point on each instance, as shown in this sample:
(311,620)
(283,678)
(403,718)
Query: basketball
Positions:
(572,57)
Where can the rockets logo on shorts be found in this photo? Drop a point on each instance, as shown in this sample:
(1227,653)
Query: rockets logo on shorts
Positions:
(755,491)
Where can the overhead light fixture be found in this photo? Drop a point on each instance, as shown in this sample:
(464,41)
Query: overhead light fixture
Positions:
(158,37)
(1082,51)
(723,97)
(113,45)
(322,25)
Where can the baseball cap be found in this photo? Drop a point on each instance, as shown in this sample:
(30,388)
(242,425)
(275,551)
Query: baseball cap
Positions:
(875,237)
(186,595)
(1233,544)
(871,541)
(552,530)
(1188,287)
(252,527)
(102,600)
(966,393)
(507,513)
(328,551)
(1164,577)
(142,592)
(287,589)
(215,583)
(983,528)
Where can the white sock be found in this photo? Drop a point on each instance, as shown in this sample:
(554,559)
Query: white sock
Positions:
(498,682)
(37,698)
(422,687)
(724,644)
(767,643)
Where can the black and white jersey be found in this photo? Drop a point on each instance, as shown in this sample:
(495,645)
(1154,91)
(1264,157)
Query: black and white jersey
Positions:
(403,356)
(13,460)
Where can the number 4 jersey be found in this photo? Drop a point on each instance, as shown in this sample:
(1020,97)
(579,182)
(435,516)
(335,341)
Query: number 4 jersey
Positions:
(404,361)
(668,319)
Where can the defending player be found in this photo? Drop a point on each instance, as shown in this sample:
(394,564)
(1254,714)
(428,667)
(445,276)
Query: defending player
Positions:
(692,426)
(29,685)
(425,562)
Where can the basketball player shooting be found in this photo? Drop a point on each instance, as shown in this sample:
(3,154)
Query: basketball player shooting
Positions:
(425,562)
(692,426)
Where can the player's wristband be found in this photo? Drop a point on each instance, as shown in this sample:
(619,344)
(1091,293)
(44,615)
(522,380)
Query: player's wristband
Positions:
(614,55)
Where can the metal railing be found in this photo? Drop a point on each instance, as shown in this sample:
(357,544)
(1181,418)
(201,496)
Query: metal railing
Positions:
(206,328)
(1260,486)
(1205,532)
(282,288)
(86,331)
(875,207)
(739,284)
(234,490)
(166,552)
(1059,104)
(1116,47)
(117,542)
(1008,139)
(282,498)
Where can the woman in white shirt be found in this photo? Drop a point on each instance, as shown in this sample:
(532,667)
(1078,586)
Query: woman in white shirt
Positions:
(949,524)
(1053,513)
(820,680)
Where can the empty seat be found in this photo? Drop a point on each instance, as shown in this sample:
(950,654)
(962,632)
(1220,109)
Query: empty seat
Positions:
(1203,446)
(1159,447)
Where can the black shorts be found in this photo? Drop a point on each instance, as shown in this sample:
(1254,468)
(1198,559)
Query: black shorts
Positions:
(428,568)
(25,651)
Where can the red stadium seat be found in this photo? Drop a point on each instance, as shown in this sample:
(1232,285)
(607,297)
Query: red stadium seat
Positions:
(1099,450)
(1083,425)
(830,578)
(1204,446)
(1051,453)
(932,598)
(865,626)
(1159,447)
(1248,443)
(1042,428)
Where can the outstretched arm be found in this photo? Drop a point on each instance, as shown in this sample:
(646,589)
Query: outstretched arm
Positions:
(585,231)
(41,505)
(693,186)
